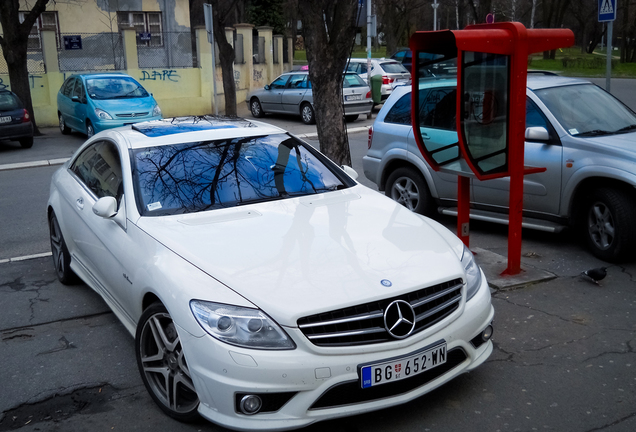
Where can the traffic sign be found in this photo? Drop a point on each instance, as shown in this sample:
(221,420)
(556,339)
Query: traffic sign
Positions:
(606,10)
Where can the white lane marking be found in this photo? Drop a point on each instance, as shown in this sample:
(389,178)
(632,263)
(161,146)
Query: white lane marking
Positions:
(26,257)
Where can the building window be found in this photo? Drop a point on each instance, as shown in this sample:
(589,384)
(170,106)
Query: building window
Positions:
(144,23)
(46,20)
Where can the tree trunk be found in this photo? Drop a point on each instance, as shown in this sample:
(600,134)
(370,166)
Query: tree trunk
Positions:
(226,57)
(14,44)
(329,32)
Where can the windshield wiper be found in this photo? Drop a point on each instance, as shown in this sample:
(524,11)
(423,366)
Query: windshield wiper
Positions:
(626,129)
(595,132)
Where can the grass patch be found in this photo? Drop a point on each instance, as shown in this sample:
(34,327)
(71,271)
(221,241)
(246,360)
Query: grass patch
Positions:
(573,62)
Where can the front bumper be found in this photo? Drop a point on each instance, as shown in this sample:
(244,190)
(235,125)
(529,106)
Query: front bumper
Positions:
(101,125)
(311,380)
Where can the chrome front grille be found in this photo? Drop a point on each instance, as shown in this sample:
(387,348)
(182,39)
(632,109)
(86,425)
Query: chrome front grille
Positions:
(364,324)
(132,115)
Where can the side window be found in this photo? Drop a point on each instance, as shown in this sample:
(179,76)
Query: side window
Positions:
(400,112)
(399,56)
(78,90)
(296,81)
(363,68)
(68,87)
(437,109)
(279,82)
(534,117)
(99,168)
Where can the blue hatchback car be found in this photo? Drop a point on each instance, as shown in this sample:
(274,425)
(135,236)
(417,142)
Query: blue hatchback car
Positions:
(91,103)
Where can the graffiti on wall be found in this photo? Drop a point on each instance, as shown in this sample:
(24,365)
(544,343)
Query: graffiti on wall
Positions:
(33,79)
(164,75)
(237,78)
(258,75)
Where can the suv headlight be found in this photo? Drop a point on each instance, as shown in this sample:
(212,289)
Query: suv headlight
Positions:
(235,325)
(102,115)
(473,273)
(156,111)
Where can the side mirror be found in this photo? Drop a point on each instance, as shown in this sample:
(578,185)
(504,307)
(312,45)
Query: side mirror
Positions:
(75,99)
(267,87)
(105,207)
(350,172)
(537,133)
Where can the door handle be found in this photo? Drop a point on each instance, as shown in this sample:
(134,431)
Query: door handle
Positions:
(80,203)
(425,136)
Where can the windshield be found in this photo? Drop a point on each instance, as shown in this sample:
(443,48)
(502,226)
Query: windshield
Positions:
(587,110)
(192,177)
(114,88)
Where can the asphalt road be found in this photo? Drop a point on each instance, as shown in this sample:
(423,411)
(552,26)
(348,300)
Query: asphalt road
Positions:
(564,358)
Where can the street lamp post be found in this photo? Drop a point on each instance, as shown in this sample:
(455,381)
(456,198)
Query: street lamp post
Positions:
(435,6)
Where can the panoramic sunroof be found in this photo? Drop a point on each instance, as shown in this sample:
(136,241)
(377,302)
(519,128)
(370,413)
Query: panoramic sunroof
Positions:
(157,128)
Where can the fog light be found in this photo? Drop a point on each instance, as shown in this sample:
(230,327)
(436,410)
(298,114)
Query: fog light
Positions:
(250,404)
(487,333)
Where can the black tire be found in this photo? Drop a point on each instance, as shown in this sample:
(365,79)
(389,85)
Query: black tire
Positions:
(90,130)
(162,365)
(61,256)
(307,114)
(408,187)
(26,142)
(256,108)
(351,118)
(63,128)
(608,225)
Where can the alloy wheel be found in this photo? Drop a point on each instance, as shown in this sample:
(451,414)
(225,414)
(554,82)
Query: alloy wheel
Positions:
(164,366)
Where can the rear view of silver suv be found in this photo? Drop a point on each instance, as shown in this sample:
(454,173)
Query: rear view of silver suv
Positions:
(584,136)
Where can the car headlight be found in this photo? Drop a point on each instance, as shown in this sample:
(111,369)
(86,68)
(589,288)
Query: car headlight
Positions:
(245,327)
(156,111)
(473,273)
(102,115)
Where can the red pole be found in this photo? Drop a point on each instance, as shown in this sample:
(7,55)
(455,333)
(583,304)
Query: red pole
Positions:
(463,209)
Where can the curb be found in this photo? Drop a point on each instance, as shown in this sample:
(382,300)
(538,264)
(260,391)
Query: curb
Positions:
(33,164)
(315,134)
(52,162)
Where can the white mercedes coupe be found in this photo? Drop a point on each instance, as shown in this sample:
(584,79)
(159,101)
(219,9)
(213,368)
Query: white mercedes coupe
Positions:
(266,289)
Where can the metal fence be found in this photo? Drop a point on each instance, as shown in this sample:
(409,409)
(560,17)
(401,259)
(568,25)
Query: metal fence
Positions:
(35,61)
(92,52)
(167,50)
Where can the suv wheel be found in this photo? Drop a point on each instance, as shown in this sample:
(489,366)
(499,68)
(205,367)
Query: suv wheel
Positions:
(609,230)
(408,187)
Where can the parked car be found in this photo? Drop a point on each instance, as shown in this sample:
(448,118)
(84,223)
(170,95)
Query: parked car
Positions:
(393,73)
(15,121)
(265,287)
(437,69)
(91,103)
(583,136)
(291,93)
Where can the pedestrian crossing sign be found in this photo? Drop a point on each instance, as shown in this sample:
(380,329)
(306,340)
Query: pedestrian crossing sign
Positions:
(606,10)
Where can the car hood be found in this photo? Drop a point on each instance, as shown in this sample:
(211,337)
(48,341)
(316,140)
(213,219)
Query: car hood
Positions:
(301,256)
(128,105)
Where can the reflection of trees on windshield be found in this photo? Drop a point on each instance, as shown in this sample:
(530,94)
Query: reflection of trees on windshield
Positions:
(191,177)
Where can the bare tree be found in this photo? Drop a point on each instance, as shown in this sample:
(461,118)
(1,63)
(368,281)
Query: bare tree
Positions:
(14,44)
(553,14)
(329,32)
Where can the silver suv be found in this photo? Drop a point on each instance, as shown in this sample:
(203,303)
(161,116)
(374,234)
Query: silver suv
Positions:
(584,136)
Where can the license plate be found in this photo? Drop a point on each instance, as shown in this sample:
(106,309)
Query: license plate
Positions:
(6,119)
(401,368)
(353,97)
